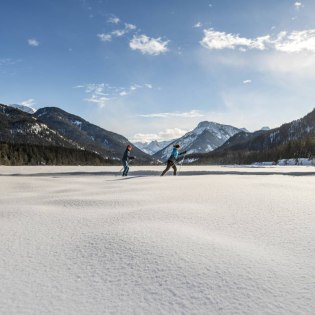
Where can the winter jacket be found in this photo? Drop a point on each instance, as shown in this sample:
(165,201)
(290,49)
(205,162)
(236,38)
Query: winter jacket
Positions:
(175,155)
(126,157)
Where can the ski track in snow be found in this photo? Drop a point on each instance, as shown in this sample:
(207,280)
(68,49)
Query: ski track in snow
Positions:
(212,244)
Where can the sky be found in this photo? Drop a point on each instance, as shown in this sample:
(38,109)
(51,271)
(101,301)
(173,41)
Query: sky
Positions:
(152,70)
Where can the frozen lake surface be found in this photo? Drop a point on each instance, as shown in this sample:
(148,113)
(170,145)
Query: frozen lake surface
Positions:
(213,240)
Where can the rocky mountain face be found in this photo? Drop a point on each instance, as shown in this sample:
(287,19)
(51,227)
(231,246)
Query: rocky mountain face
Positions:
(291,140)
(55,127)
(271,138)
(89,136)
(153,146)
(17,127)
(206,137)
(242,140)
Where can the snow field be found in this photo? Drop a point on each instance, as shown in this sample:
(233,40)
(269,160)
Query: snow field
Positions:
(74,243)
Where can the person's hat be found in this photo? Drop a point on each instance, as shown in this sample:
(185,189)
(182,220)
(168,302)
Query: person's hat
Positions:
(176,146)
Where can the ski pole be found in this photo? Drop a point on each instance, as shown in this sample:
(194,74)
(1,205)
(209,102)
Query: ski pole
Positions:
(124,167)
(182,163)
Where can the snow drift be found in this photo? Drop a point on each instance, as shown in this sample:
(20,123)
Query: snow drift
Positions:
(85,241)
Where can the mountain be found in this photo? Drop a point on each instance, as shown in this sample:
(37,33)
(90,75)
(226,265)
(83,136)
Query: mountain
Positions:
(52,126)
(24,108)
(268,139)
(206,137)
(242,140)
(291,140)
(19,127)
(244,129)
(91,137)
(153,146)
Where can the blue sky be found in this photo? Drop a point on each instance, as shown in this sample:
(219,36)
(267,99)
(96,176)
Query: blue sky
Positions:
(154,69)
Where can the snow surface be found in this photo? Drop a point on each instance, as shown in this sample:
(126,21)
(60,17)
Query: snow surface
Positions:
(213,240)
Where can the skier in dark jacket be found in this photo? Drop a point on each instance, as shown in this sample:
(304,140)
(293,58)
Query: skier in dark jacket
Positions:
(172,159)
(125,159)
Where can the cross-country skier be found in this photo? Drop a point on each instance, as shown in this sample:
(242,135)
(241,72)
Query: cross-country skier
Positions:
(171,162)
(125,159)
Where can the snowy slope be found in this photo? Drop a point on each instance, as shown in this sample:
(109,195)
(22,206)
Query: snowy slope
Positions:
(93,138)
(153,146)
(74,243)
(23,108)
(20,127)
(206,137)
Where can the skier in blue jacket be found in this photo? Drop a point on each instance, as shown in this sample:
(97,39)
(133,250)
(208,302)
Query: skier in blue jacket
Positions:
(172,159)
(125,159)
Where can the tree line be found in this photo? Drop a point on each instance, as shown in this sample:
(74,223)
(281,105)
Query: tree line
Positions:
(30,154)
(291,150)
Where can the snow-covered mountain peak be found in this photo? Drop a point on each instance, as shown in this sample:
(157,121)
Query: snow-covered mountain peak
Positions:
(26,109)
(265,128)
(204,125)
(153,146)
(244,129)
(206,137)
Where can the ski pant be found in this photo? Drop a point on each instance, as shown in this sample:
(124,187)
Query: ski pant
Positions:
(169,165)
(126,168)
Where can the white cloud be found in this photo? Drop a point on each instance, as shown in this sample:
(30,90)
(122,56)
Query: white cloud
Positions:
(100,101)
(198,25)
(33,42)
(289,66)
(97,94)
(273,64)
(247,81)
(192,114)
(29,102)
(113,20)
(145,137)
(167,134)
(118,33)
(105,37)
(294,42)
(298,5)
(148,46)
(8,61)
(134,87)
(220,40)
(130,26)
(174,133)
(101,93)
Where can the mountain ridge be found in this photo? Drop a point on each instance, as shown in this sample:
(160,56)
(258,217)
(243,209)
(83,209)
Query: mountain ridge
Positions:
(153,146)
(206,137)
(295,139)
(56,127)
